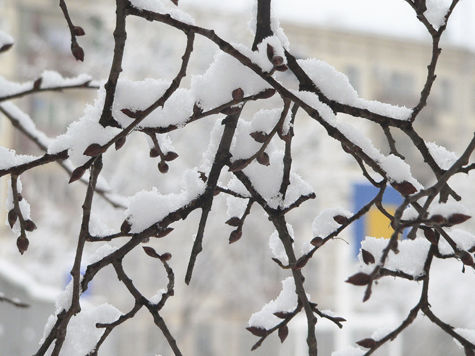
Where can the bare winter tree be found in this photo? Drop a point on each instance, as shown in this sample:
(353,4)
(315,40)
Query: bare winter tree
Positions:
(249,161)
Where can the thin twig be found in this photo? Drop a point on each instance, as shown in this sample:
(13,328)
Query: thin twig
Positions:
(220,159)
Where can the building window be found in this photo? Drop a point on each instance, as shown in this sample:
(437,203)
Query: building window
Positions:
(445,94)
(396,88)
(203,340)
(401,84)
(472,99)
(353,75)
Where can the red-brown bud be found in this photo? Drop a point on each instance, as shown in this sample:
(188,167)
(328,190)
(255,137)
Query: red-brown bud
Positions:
(78,31)
(263,158)
(30,225)
(77,51)
(270,52)
(283,333)
(367,343)
(368,258)
(234,221)
(165,256)
(163,167)
(22,244)
(238,94)
(119,143)
(151,252)
(77,174)
(359,279)
(12,217)
(277,61)
(94,149)
(170,156)
(125,227)
(259,136)
(405,188)
(257,331)
(235,236)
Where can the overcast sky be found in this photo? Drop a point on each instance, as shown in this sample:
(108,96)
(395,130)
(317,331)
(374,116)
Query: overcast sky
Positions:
(388,17)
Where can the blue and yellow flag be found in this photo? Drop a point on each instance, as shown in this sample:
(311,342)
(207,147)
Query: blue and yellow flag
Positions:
(374,223)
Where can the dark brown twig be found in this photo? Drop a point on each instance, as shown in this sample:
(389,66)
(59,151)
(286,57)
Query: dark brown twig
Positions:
(33,90)
(58,332)
(222,156)
(75,31)
(13,301)
(152,308)
(288,154)
(263,22)
(39,143)
(120,36)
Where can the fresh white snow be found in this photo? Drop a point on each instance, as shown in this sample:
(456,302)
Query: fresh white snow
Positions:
(285,302)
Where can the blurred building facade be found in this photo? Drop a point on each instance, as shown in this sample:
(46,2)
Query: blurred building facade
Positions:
(387,69)
(394,70)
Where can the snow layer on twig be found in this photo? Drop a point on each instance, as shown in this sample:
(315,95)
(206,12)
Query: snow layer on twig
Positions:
(52,79)
(324,224)
(260,57)
(312,100)
(163,7)
(393,111)
(410,259)
(276,246)
(275,26)
(157,296)
(436,208)
(436,11)
(464,240)
(447,209)
(63,301)
(396,169)
(285,302)
(8,88)
(265,120)
(9,158)
(80,134)
(26,123)
(410,213)
(243,145)
(235,207)
(266,180)
(149,207)
(100,253)
(336,86)
(442,156)
(13,274)
(83,334)
(223,76)
(235,185)
(97,227)
(49,79)
(209,154)
(5,39)
(138,95)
